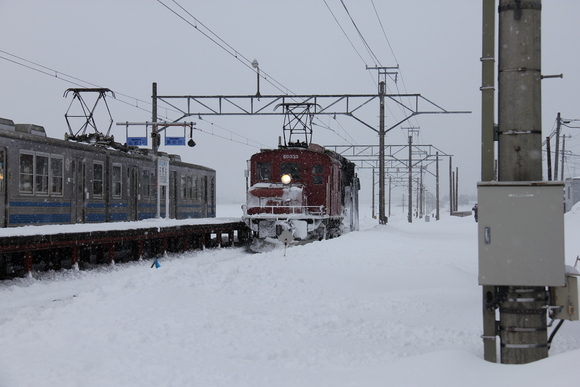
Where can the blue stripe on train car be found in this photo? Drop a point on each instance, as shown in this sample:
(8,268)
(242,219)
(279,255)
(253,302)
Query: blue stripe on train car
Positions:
(188,215)
(31,218)
(38,204)
(91,218)
(188,211)
(120,217)
(39,218)
(95,205)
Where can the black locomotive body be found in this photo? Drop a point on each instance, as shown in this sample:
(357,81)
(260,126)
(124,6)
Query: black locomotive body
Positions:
(50,181)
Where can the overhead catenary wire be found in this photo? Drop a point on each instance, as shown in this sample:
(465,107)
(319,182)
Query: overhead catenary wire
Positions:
(366,45)
(231,50)
(45,70)
(225,46)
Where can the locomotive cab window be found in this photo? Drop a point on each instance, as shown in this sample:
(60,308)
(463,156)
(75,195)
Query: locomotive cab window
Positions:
(317,174)
(292,169)
(264,171)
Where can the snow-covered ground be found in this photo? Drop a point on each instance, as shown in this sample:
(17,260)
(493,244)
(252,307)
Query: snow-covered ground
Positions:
(392,305)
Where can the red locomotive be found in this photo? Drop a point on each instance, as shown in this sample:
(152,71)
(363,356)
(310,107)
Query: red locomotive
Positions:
(300,192)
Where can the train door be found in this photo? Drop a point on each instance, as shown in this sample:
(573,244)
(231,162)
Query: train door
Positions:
(78,190)
(212,198)
(132,193)
(173,195)
(204,189)
(3,195)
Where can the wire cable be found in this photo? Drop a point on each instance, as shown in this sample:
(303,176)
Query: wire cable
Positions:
(226,47)
(369,50)
(82,83)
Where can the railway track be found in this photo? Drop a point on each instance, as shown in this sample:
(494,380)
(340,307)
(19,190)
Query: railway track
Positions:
(42,248)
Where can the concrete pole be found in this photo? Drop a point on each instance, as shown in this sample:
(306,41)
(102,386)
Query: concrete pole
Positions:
(519,96)
(390,182)
(421,198)
(382,218)
(410,213)
(154,134)
(563,152)
(437,186)
(488,91)
(558,123)
(450,186)
(488,168)
(155,148)
(456,190)
(523,320)
(548,158)
(373,195)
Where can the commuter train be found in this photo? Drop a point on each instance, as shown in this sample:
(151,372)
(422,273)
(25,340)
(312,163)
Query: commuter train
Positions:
(50,181)
(300,192)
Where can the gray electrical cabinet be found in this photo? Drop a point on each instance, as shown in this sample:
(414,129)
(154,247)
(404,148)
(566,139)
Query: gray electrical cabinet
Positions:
(521,233)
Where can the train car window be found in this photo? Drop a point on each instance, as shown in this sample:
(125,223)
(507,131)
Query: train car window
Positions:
(212,190)
(292,169)
(145,182)
(189,187)
(117,181)
(98,179)
(56,175)
(41,175)
(183,189)
(26,172)
(264,171)
(194,188)
(317,169)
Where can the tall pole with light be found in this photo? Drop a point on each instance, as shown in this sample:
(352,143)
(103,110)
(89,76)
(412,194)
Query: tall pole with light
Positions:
(256,65)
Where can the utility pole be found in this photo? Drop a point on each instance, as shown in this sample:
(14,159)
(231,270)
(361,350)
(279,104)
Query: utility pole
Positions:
(382,218)
(549,159)
(563,153)
(421,199)
(522,325)
(437,186)
(410,213)
(520,131)
(373,194)
(558,123)
(154,134)
(456,190)
(451,184)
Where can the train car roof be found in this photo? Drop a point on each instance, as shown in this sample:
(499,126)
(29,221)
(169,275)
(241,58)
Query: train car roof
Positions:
(35,136)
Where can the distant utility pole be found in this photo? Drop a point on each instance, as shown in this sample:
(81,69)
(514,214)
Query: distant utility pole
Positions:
(382,72)
(410,213)
(437,186)
(556,153)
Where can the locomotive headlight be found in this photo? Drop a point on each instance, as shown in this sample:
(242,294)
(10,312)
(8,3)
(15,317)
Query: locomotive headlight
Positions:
(286,179)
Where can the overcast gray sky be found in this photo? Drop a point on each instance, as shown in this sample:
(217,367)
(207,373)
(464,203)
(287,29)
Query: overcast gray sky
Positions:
(127,45)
